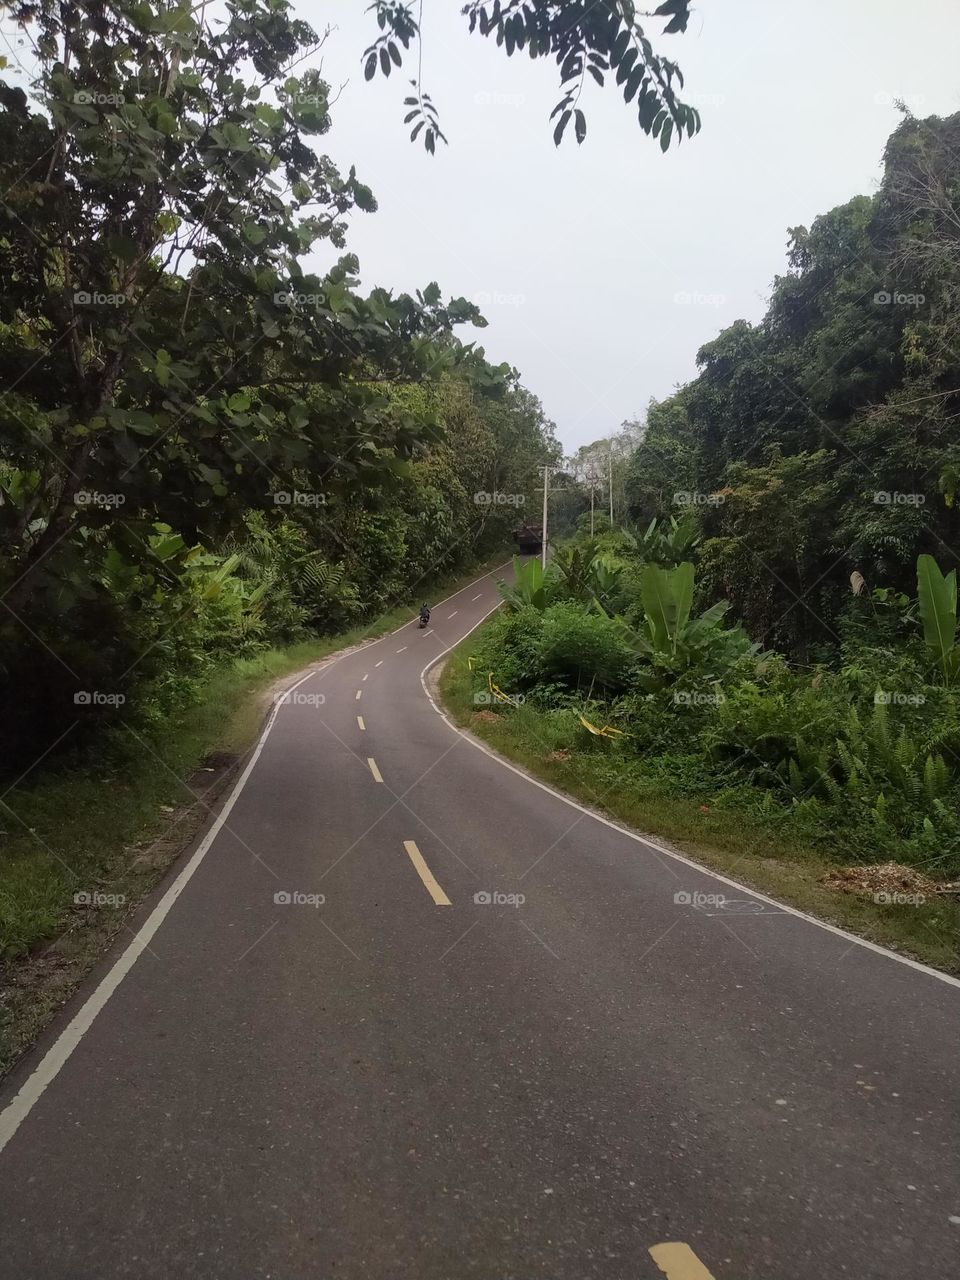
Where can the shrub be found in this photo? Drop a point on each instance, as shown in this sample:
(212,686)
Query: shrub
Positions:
(509,648)
(585,651)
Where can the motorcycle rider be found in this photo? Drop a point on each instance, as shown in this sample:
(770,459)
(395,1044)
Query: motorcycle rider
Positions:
(424,614)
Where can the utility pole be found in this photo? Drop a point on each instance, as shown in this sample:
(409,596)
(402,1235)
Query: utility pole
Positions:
(543,536)
(610,481)
(592,481)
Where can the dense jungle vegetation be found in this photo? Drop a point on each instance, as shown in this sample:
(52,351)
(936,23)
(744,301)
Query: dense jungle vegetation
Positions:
(775,634)
(207,445)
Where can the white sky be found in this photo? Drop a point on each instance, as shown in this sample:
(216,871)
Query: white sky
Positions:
(583,249)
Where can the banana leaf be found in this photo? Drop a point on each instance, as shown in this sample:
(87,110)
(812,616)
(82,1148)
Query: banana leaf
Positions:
(938,612)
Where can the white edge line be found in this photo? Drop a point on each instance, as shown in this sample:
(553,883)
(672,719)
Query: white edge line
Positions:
(651,844)
(16,1112)
(49,1066)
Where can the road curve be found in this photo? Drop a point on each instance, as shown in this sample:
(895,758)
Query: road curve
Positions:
(611,1078)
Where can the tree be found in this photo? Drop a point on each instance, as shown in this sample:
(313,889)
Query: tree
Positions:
(160,339)
(599,39)
(824,440)
(186,403)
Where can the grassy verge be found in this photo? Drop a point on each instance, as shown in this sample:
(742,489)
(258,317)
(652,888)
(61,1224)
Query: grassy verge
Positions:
(111,831)
(726,840)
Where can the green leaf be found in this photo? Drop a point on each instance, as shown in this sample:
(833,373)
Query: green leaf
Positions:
(938,612)
(667,596)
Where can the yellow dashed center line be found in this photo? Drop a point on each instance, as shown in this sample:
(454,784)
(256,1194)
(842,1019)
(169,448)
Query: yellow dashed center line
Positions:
(367,676)
(360,722)
(426,875)
(677,1261)
(401,649)
(476,597)
(373,769)
(454,614)
(379,664)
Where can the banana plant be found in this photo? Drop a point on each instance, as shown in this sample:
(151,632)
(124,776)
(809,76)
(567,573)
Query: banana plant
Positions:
(529,587)
(585,573)
(666,543)
(671,641)
(667,596)
(937,593)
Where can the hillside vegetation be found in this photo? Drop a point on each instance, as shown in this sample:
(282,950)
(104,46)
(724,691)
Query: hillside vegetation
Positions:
(775,634)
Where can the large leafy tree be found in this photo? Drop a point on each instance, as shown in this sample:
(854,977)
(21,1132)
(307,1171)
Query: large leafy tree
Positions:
(171,357)
(161,340)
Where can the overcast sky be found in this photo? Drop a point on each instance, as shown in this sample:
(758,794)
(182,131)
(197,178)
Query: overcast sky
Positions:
(578,254)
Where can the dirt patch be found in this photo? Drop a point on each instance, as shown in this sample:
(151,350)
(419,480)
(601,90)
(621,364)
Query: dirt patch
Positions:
(484,717)
(215,762)
(562,754)
(888,878)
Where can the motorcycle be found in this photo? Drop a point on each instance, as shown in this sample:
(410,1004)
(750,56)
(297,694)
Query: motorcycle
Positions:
(424,618)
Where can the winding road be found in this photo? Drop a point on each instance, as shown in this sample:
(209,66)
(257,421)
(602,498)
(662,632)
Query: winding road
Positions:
(405,1014)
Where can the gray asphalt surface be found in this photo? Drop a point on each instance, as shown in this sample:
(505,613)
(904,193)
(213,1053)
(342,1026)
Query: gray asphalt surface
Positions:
(388,1088)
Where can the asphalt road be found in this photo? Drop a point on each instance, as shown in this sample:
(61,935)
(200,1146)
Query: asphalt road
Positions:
(404,1083)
